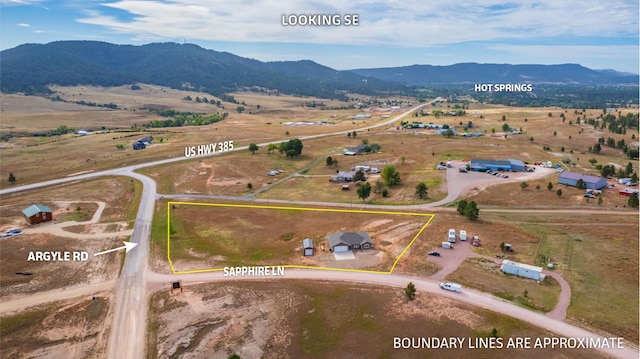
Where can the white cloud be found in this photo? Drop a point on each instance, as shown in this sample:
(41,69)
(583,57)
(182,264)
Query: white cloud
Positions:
(23,25)
(410,23)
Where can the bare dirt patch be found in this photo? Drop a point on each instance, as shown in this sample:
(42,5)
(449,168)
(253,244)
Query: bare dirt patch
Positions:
(47,237)
(77,328)
(296,319)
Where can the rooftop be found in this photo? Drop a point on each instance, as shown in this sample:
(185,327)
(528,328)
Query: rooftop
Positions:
(577,176)
(36,208)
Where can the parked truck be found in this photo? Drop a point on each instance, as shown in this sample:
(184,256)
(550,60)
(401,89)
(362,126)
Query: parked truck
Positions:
(454,287)
(452,235)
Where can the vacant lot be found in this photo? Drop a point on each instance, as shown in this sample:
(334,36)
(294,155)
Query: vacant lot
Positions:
(295,319)
(204,237)
(77,328)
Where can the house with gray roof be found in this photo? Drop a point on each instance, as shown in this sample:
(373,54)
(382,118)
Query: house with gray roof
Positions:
(346,241)
(37,213)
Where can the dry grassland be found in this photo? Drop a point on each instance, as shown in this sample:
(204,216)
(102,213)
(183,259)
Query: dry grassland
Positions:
(205,237)
(24,154)
(296,319)
(77,328)
(122,202)
(596,254)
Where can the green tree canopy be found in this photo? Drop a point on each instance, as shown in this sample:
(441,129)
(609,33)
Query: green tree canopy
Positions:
(329,161)
(471,211)
(390,176)
(462,204)
(410,291)
(291,148)
(421,190)
(364,191)
(253,148)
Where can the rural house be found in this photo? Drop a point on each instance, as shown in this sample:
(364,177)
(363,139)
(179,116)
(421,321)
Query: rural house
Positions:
(352,151)
(307,247)
(591,182)
(522,270)
(343,177)
(345,241)
(37,213)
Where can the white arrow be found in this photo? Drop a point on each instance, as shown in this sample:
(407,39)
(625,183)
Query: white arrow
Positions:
(128,245)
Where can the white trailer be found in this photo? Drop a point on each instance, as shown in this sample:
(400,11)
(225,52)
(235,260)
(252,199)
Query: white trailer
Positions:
(454,287)
(463,235)
(446,245)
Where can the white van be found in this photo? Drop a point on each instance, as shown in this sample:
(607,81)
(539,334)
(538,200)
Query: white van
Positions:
(463,235)
(452,235)
(454,287)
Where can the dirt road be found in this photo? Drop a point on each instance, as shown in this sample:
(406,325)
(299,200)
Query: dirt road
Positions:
(157,281)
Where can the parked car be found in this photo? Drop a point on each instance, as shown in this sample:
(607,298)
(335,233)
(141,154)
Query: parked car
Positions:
(12,232)
(24,273)
(434,253)
(589,195)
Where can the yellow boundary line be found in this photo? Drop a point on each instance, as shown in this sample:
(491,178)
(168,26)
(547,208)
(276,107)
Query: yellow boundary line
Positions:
(312,209)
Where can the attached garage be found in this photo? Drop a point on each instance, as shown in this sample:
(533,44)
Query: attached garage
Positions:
(341,248)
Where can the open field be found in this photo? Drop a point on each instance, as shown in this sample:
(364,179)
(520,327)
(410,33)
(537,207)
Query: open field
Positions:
(596,254)
(205,237)
(485,274)
(513,196)
(76,328)
(24,154)
(122,202)
(295,319)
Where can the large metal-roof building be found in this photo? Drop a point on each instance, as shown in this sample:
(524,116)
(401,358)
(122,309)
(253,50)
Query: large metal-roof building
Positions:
(592,182)
(478,164)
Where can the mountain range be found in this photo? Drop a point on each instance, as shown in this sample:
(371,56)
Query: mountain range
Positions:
(472,73)
(31,68)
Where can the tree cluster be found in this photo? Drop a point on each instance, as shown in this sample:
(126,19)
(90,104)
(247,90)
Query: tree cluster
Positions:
(291,148)
(468,209)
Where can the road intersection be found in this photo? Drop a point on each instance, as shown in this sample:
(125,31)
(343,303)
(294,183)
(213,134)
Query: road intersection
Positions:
(137,281)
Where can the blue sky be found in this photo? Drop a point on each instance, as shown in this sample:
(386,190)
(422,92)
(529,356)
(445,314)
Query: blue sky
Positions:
(597,34)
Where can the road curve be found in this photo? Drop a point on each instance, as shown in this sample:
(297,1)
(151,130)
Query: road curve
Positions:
(156,281)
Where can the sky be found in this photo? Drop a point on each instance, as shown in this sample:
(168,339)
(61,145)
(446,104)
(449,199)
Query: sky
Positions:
(597,34)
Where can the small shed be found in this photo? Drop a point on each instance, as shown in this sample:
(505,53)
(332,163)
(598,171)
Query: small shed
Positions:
(37,213)
(522,270)
(446,245)
(307,247)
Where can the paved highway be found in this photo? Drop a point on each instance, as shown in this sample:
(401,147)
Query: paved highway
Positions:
(128,337)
